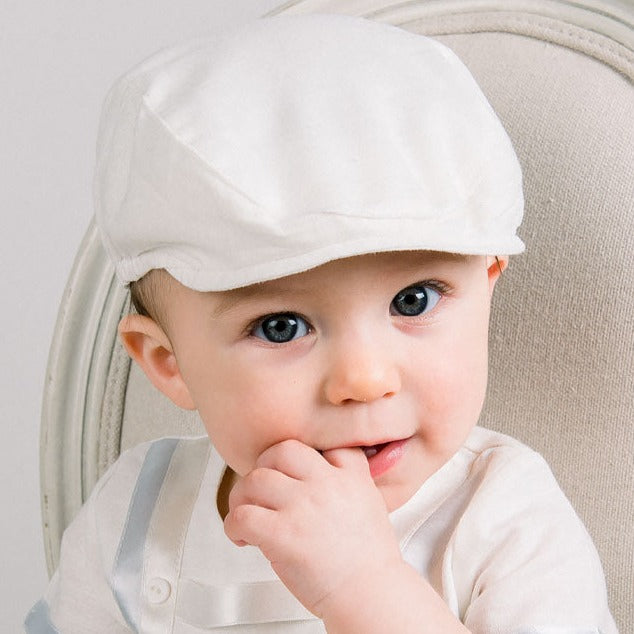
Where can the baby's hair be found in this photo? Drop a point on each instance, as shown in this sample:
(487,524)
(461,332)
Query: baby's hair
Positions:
(148,294)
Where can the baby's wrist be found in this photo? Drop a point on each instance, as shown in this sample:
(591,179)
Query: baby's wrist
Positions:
(394,599)
(365,603)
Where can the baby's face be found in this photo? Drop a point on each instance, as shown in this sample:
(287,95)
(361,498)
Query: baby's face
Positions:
(385,352)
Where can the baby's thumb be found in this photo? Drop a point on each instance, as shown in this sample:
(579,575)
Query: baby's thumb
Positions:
(347,458)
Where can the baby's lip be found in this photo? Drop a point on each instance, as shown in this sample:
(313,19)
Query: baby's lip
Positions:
(370,447)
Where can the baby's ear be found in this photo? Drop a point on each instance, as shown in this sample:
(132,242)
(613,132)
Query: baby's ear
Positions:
(495,266)
(147,343)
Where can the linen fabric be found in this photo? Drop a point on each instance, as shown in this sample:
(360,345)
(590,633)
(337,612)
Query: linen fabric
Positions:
(148,557)
(294,141)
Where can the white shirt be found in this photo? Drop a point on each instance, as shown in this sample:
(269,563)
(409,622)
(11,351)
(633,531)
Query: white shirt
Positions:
(491,531)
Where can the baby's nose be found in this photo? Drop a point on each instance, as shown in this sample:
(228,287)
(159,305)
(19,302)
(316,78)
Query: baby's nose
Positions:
(363,374)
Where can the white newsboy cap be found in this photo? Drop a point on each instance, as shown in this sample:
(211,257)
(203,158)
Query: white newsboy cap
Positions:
(294,141)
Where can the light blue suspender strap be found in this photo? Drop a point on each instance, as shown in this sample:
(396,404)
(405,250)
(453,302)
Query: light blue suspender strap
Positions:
(163,465)
(128,565)
(38,620)
(167,538)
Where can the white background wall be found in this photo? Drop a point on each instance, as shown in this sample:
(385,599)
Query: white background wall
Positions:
(57,60)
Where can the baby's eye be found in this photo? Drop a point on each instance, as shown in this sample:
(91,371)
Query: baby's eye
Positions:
(281,328)
(414,300)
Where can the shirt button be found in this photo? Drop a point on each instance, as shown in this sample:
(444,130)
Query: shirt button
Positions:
(158,590)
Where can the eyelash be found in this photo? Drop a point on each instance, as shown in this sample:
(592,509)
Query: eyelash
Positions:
(441,288)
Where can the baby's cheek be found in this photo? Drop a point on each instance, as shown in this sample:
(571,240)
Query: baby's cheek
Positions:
(452,400)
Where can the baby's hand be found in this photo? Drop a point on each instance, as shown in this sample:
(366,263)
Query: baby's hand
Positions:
(319,520)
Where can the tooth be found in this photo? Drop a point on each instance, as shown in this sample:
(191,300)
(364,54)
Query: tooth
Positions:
(370,451)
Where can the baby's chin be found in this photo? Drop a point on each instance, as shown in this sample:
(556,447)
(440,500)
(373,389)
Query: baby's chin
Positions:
(401,488)
(396,496)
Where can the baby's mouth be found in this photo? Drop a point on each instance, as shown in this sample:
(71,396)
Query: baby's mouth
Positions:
(382,456)
(373,450)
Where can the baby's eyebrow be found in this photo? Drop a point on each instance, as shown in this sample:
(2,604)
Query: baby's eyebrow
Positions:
(230,299)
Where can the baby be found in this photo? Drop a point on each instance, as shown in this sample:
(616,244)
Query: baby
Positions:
(312,214)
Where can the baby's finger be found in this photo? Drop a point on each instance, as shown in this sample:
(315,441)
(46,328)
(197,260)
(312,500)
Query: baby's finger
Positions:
(249,524)
(263,487)
(292,457)
(347,458)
